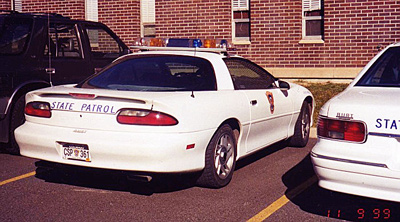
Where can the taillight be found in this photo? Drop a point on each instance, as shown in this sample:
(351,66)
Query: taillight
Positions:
(82,95)
(145,117)
(40,109)
(353,131)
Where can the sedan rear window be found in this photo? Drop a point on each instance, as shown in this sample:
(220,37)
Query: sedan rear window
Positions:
(156,73)
(385,72)
(14,34)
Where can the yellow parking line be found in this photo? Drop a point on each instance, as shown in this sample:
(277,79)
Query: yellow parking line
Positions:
(17,178)
(283,200)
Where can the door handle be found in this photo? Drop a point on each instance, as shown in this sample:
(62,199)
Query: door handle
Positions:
(50,71)
(253,102)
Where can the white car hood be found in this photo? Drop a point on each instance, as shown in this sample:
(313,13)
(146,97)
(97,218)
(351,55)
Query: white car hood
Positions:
(377,107)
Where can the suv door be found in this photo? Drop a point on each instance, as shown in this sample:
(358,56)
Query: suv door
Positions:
(63,54)
(105,46)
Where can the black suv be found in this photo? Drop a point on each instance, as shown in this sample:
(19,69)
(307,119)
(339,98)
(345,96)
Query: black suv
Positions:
(40,50)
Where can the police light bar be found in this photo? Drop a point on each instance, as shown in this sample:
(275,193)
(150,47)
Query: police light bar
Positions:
(184,44)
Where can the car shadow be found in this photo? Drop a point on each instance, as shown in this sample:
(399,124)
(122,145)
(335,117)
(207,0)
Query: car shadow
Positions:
(127,181)
(113,180)
(330,204)
(260,154)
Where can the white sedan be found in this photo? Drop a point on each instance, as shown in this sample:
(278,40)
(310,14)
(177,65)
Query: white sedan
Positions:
(166,112)
(358,150)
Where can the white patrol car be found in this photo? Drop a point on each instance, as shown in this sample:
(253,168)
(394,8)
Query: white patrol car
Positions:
(166,111)
(358,149)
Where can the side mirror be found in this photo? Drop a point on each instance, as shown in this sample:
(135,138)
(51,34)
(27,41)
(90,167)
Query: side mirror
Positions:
(283,85)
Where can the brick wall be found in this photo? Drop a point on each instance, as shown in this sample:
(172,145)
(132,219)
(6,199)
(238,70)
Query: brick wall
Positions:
(189,19)
(5,4)
(122,16)
(275,33)
(74,9)
(353,29)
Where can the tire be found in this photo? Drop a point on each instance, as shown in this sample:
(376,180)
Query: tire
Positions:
(302,127)
(220,159)
(17,119)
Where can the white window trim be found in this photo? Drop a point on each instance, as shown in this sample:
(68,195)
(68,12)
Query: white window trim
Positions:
(310,5)
(16,5)
(91,10)
(239,5)
(147,14)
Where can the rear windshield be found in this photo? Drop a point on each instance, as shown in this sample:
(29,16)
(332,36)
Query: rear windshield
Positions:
(14,34)
(385,72)
(156,73)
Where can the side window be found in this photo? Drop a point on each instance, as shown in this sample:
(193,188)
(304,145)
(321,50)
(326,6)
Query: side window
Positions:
(385,72)
(102,44)
(63,42)
(247,75)
(14,35)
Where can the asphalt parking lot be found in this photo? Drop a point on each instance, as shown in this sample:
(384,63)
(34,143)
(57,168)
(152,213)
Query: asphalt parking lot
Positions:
(275,184)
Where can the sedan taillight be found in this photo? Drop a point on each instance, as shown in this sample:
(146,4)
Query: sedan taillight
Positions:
(353,131)
(39,109)
(145,117)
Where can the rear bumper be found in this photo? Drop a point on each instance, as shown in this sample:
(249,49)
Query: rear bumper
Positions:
(146,152)
(343,173)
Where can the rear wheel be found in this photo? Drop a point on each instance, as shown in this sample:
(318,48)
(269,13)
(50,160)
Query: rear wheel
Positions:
(17,119)
(302,127)
(220,159)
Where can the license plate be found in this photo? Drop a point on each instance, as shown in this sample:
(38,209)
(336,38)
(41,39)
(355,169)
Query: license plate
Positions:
(73,151)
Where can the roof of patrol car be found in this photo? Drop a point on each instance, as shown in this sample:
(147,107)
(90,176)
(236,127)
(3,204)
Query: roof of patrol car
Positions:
(208,53)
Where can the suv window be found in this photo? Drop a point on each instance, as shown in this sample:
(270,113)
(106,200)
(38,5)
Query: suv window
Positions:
(63,42)
(14,34)
(247,75)
(385,72)
(157,73)
(102,44)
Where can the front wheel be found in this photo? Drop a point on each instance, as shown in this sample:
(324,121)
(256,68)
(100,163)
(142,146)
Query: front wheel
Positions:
(220,159)
(302,127)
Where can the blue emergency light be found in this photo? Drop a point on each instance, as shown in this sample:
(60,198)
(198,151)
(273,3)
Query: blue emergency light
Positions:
(195,43)
(182,43)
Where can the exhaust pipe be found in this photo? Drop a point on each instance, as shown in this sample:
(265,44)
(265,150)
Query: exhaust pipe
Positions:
(139,178)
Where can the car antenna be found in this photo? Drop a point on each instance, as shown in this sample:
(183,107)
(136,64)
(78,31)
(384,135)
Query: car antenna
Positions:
(192,94)
(49,70)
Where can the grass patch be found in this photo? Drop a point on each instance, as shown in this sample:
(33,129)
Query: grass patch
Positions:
(322,92)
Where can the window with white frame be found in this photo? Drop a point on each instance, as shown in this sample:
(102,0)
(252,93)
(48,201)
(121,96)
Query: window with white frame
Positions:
(241,21)
(16,5)
(91,10)
(148,18)
(313,23)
